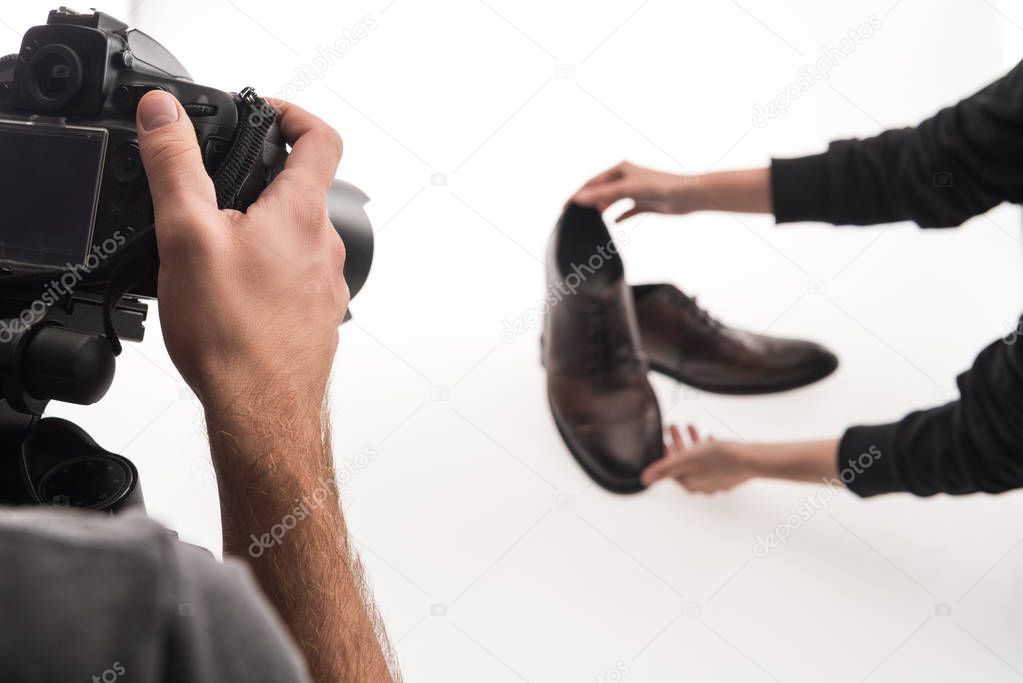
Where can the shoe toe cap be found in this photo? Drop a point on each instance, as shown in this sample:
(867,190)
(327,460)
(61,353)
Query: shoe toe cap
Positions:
(809,359)
(618,452)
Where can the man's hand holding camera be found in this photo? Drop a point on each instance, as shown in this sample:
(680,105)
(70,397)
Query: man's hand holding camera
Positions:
(250,304)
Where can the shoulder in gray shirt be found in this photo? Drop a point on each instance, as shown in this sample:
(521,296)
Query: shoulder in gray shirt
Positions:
(88,597)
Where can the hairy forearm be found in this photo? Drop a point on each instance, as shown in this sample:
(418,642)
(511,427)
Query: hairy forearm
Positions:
(281,514)
(745,191)
(811,461)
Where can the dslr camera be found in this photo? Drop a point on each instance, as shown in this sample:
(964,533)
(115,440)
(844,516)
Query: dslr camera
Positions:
(77,247)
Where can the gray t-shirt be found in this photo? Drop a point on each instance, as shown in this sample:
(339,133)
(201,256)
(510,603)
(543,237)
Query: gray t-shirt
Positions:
(89,597)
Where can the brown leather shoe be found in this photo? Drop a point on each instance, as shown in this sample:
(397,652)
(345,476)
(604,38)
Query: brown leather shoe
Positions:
(685,343)
(597,382)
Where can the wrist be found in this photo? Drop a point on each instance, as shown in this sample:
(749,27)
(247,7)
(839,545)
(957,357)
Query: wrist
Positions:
(262,436)
(261,392)
(752,460)
(745,191)
(809,461)
(692,193)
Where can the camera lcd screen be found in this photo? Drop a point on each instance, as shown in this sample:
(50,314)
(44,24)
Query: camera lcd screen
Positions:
(49,187)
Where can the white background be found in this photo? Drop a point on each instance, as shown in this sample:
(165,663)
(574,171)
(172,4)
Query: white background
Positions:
(480,574)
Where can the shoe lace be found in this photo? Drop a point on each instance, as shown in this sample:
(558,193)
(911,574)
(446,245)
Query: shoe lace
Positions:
(690,303)
(606,349)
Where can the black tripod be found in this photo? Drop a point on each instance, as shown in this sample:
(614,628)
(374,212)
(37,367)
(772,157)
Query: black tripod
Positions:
(61,356)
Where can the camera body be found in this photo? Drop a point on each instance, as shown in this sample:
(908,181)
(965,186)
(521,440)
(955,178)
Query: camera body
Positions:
(70,94)
(76,221)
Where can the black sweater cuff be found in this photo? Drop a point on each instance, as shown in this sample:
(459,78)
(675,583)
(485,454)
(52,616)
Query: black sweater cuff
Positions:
(799,189)
(866,461)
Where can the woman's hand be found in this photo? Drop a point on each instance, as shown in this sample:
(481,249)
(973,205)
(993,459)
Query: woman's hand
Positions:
(747,191)
(704,466)
(650,190)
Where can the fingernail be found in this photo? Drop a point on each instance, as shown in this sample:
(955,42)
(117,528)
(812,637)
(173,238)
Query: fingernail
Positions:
(156,110)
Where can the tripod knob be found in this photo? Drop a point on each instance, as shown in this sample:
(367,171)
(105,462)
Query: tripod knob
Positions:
(65,365)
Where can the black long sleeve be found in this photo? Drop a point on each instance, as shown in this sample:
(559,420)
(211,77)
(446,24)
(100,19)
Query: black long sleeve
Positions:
(961,162)
(957,164)
(966,446)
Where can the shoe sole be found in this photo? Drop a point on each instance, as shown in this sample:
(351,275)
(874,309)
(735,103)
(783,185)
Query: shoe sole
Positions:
(747,390)
(594,476)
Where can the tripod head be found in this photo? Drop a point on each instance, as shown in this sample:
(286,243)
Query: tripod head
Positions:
(63,356)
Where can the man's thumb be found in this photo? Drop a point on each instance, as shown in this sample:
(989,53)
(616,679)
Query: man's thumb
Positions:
(170,153)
